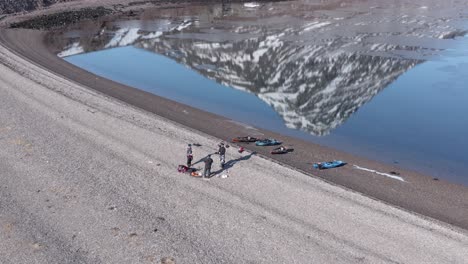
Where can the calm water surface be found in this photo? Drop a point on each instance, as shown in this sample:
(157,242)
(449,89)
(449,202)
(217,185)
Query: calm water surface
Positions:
(382,80)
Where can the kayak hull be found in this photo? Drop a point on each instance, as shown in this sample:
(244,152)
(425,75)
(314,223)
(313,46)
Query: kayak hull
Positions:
(279,152)
(244,139)
(329,164)
(267,142)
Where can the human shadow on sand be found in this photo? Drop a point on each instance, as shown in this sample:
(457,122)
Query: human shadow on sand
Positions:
(202,159)
(229,164)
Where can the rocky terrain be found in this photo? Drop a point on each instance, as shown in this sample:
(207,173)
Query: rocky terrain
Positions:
(13,6)
(62,19)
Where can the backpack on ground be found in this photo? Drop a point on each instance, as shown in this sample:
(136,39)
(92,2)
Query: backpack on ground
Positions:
(182,168)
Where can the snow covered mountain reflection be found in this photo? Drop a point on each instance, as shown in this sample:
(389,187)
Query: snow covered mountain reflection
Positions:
(314,63)
(313,88)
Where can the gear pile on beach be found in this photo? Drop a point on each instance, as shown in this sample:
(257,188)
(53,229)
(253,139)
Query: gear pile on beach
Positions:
(223,173)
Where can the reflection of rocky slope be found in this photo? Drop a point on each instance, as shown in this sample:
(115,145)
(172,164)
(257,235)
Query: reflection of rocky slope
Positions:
(314,73)
(314,88)
(106,36)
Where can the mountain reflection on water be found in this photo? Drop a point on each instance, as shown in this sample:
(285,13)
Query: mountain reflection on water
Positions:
(401,63)
(315,63)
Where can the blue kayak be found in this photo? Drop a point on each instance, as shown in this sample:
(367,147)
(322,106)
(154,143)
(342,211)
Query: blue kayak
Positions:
(329,165)
(267,142)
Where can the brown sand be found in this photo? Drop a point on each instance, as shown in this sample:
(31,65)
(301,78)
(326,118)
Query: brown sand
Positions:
(419,193)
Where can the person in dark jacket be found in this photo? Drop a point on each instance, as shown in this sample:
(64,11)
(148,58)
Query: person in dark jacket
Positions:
(208,161)
(222,154)
(189,155)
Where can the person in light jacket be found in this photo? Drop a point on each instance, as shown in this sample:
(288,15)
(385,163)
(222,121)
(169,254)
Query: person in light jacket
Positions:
(222,154)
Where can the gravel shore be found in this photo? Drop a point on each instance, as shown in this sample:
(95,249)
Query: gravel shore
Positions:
(418,193)
(88,179)
(89,176)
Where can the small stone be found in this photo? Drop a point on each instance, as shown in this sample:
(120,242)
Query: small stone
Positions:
(168,260)
(150,259)
(36,246)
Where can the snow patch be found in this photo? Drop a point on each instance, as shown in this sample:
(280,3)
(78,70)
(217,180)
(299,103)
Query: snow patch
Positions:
(258,53)
(251,5)
(184,25)
(124,37)
(153,35)
(129,38)
(73,49)
(315,25)
(380,173)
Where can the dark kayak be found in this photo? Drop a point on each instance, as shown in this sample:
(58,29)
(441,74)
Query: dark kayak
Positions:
(329,164)
(244,139)
(267,142)
(281,150)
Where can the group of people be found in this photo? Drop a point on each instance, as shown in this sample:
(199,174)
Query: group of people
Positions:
(208,160)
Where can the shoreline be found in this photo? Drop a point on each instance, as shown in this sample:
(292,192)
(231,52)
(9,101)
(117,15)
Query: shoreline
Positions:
(419,193)
(83,183)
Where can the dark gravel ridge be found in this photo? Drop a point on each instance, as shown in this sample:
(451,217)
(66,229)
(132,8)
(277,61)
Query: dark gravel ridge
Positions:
(62,19)
(13,6)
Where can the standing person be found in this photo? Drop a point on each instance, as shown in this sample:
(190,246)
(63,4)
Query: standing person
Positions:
(189,155)
(222,154)
(208,161)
